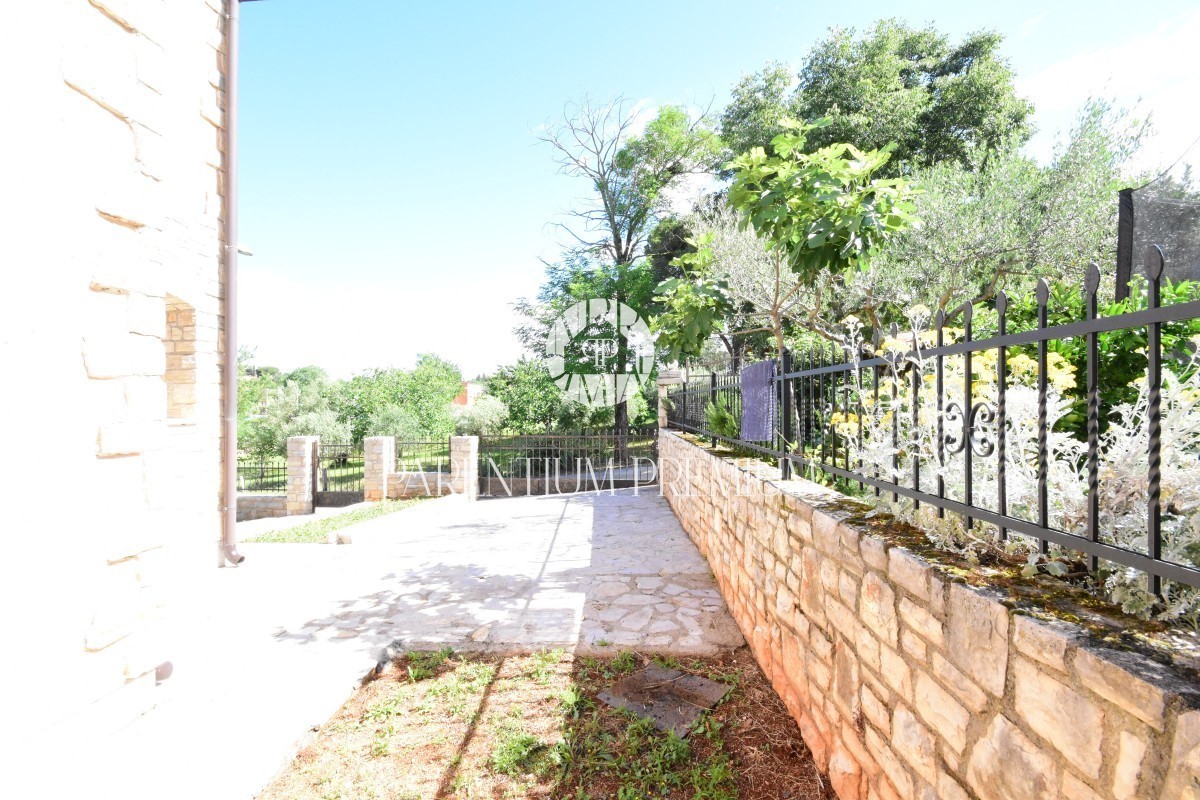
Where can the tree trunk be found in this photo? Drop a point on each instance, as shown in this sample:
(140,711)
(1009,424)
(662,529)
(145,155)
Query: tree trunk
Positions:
(621,411)
(621,424)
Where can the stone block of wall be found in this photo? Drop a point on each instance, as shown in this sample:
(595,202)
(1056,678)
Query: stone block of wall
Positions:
(908,682)
(261,506)
(666,379)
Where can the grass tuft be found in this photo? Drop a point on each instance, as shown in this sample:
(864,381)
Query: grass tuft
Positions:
(542,664)
(424,664)
(515,752)
(625,663)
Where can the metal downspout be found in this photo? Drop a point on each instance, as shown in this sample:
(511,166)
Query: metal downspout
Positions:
(228,551)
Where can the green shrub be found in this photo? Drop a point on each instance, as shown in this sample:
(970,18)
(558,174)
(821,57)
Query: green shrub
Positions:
(721,420)
(486,417)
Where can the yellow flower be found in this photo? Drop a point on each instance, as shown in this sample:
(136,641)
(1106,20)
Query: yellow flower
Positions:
(1059,372)
(1022,365)
(1062,380)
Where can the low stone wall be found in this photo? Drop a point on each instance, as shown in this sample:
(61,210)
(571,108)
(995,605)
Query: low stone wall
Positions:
(381,480)
(907,683)
(260,506)
(505,486)
(403,485)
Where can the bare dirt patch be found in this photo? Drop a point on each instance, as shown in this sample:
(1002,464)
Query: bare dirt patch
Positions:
(445,725)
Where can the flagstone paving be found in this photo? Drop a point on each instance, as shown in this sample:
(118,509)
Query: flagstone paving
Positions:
(599,571)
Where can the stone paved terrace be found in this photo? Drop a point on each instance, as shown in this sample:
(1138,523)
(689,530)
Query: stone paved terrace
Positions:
(538,572)
(269,650)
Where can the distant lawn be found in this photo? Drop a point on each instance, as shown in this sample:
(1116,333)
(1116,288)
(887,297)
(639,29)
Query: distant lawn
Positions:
(317,531)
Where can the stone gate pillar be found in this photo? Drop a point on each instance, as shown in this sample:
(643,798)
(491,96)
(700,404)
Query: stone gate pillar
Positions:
(666,379)
(301,473)
(464,466)
(379,460)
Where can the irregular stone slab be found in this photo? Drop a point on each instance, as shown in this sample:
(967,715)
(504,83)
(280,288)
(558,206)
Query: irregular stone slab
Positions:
(635,600)
(978,636)
(610,589)
(673,700)
(637,620)
(1007,766)
(1185,756)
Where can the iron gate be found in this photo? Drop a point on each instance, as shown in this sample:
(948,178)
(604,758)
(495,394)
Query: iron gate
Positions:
(339,479)
(560,463)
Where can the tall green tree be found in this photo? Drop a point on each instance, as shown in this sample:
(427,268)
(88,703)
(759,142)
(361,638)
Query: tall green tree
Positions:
(430,387)
(578,277)
(256,389)
(630,175)
(306,376)
(373,401)
(935,99)
(667,241)
(533,400)
(294,409)
(363,397)
(758,105)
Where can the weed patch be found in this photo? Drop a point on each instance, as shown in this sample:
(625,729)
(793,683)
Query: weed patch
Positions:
(445,725)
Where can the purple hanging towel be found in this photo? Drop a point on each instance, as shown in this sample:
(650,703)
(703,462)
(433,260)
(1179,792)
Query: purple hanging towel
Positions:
(758,401)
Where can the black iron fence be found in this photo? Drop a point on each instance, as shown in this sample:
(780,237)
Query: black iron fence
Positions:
(1014,432)
(423,455)
(340,469)
(567,462)
(262,476)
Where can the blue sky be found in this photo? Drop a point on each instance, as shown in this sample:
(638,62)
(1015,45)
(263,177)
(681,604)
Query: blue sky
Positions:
(398,202)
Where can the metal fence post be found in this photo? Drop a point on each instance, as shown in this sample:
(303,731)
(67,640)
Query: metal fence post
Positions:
(1090,287)
(785,366)
(1153,265)
(1002,412)
(1043,453)
(712,396)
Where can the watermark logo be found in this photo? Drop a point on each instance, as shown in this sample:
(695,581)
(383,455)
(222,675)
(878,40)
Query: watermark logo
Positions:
(599,352)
